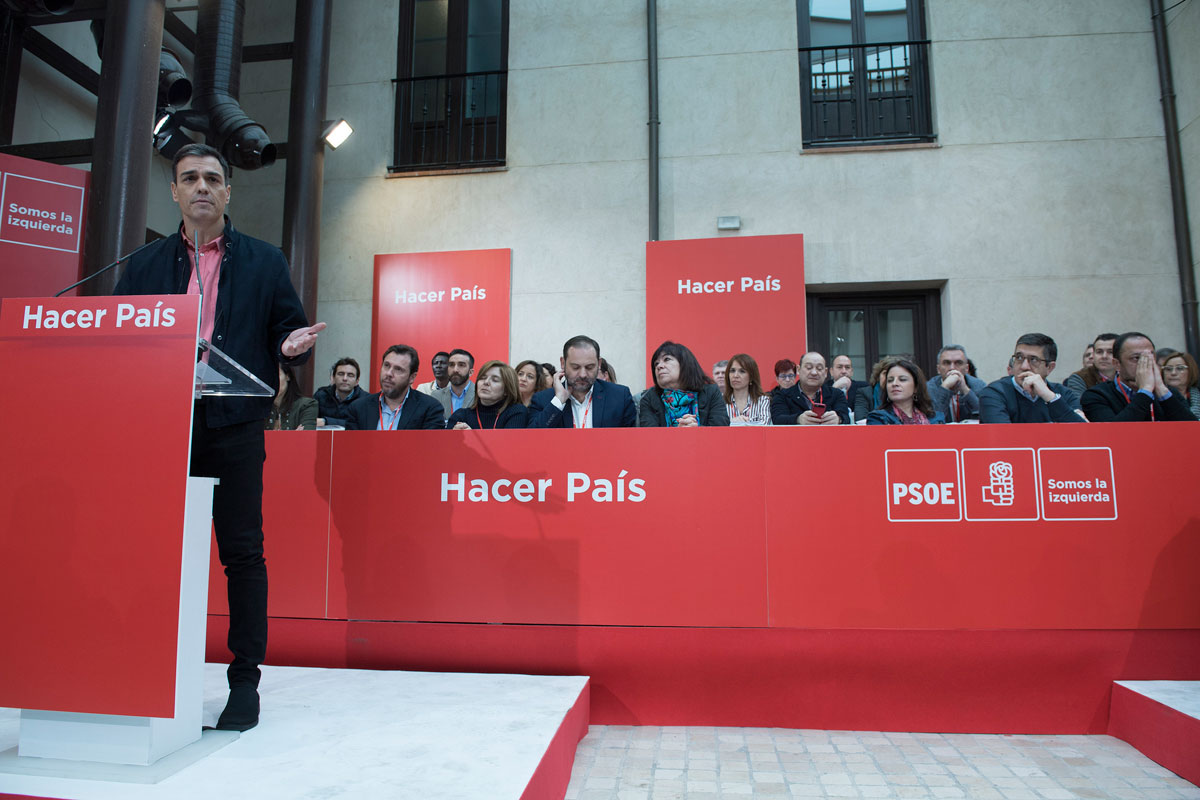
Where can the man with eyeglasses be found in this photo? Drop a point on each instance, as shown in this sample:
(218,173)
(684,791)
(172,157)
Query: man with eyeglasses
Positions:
(1025,395)
(954,391)
(1138,392)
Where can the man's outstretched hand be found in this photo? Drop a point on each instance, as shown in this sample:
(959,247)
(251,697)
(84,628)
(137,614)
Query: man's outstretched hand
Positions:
(301,340)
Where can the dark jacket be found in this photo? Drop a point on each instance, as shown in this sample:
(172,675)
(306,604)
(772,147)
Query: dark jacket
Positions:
(257,308)
(612,407)
(515,416)
(420,412)
(851,393)
(1001,402)
(301,415)
(866,401)
(887,416)
(333,410)
(788,404)
(709,402)
(1105,403)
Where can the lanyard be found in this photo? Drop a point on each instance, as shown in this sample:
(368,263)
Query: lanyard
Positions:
(1124,390)
(586,410)
(480,421)
(396,419)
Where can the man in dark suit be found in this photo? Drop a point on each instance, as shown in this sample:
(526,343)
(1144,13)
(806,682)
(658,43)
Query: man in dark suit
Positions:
(399,406)
(1025,395)
(841,376)
(577,399)
(1137,393)
(800,403)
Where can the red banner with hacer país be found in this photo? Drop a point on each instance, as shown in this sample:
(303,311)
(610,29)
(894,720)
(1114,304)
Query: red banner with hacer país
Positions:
(923,527)
(441,301)
(42,220)
(92,485)
(720,297)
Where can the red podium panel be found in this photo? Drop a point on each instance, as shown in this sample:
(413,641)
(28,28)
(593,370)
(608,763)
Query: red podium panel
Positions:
(622,527)
(95,442)
(838,562)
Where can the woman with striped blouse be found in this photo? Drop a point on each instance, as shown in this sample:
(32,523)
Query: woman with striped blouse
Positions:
(745,400)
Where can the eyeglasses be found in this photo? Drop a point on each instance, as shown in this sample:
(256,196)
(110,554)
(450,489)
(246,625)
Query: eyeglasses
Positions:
(1034,361)
(1175,369)
(786,376)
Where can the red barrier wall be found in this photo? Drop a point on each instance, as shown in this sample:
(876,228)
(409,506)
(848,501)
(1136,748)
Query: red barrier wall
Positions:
(755,576)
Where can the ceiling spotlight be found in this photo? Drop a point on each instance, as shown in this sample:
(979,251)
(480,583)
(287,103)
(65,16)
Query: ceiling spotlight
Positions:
(336,133)
(168,133)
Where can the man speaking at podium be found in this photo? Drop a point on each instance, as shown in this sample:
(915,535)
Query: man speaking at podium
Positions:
(249,310)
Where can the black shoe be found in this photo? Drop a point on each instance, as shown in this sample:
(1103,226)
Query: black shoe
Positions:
(241,712)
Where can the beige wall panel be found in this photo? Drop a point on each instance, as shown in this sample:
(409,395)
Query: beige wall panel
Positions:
(589,113)
(1046,88)
(717,27)
(986,19)
(551,33)
(740,103)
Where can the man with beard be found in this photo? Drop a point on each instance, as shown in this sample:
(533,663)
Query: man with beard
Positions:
(440,364)
(577,399)
(398,407)
(460,390)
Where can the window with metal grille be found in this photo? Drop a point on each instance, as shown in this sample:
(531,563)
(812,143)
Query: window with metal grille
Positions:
(451,85)
(864,72)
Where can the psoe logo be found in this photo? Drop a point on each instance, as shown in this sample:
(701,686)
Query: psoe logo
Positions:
(999,491)
(923,485)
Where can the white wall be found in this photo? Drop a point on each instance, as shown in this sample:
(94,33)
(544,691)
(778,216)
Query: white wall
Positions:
(1044,206)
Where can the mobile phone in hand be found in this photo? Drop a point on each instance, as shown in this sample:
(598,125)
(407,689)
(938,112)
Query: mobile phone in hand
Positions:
(818,409)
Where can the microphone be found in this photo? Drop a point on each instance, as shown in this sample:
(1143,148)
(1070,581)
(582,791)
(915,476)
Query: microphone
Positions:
(199,285)
(103,270)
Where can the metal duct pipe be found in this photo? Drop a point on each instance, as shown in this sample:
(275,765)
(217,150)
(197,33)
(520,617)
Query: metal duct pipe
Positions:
(652,78)
(117,202)
(218,75)
(306,156)
(39,7)
(174,88)
(1183,234)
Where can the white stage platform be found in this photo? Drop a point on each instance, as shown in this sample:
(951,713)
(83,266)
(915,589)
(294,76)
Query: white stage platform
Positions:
(1183,696)
(347,733)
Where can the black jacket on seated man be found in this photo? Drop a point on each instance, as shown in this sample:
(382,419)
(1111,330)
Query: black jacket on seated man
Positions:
(612,407)
(787,404)
(1113,401)
(420,412)
(1001,402)
(333,410)
(851,392)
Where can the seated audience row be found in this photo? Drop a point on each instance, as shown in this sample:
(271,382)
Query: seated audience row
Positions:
(1125,381)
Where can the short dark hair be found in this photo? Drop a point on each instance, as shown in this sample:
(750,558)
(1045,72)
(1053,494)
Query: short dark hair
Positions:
(1105,337)
(691,376)
(1049,348)
(197,150)
(440,353)
(414,360)
(581,341)
(458,351)
(347,361)
(1125,337)
(784,365)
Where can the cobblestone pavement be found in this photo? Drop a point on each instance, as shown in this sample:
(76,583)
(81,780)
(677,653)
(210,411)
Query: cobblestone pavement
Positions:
(618,762)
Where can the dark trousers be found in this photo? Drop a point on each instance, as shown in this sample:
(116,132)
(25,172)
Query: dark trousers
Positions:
(235,455)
